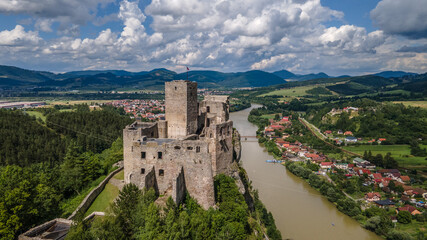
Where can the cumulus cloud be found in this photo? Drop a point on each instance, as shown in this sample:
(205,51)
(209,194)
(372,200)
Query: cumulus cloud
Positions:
(417,49)
(226,35)
(351,38)
(19,37)
(65,11)
(403,17)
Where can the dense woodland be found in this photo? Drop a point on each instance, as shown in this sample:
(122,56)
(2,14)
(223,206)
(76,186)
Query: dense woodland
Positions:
(136,216)
(44,166)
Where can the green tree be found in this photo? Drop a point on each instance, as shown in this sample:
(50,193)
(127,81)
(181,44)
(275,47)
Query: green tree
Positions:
(404,217)
(398,235)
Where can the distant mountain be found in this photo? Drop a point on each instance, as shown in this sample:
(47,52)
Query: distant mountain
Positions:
(16,78)
(390,74)
(311,76)
(96,72)
(284,74)
(255,78)
(360,84)
(291,76)
(22,75)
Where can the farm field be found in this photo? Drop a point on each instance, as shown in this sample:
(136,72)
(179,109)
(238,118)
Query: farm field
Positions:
(399,152)
(269,116)
(65,102)
(290,92)
(422,104)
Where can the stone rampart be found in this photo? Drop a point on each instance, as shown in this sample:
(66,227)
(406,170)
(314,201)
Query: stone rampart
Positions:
(88,200)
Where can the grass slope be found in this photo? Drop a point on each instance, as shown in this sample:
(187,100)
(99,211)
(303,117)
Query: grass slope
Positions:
(104,199)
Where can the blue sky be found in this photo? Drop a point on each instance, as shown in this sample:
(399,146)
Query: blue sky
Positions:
(302,36)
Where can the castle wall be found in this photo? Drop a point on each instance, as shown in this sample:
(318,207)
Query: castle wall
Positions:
(190,155)
(178,188)
(181,108)
(216,106)
(163,128)
(131,135)
(220,138)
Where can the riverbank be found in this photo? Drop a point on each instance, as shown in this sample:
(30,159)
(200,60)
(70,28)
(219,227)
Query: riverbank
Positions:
(373,218)
(300,212)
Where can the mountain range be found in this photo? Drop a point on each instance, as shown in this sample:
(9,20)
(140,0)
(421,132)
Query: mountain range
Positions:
(14,77)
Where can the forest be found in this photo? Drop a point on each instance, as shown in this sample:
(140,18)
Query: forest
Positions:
(136,216)
(43,166)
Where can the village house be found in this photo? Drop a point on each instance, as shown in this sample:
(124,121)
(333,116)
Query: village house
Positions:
(351,139)
(372,196)
(411,209)
(343,166)
(384,203)
(347,133)
(326,165)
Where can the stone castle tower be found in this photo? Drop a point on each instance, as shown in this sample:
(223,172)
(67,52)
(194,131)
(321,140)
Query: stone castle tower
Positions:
(184,152)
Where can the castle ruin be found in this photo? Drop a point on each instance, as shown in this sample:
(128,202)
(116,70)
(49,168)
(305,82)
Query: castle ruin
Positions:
(184,152)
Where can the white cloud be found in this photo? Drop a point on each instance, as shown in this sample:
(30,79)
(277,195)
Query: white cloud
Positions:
(19,37)
(402,17)
(65,11)
(226,35)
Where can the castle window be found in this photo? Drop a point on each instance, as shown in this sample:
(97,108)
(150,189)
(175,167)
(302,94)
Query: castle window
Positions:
(189,148)
(161,172)
(143,155)
(177,147)
(175,88)
(208,109)
(142,170)
(159,155)
(197,149)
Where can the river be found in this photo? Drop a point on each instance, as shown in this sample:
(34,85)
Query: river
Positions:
(300,212)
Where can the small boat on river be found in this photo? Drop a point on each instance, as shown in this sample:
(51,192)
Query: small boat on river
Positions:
(274,161)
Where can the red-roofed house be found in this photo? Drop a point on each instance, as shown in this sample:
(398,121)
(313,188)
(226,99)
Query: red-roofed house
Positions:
(328,132)
(277,127)
(326,165)
(381,139)
(372,196)
(405,178)
(377,175)
(348,133)
(409,208)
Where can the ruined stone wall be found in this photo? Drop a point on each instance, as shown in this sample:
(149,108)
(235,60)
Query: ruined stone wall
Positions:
(181,108)
(178,188)
(216,106)
(219,137)
(88,200)
(131,135)
(190,155)
(163,128)
(150,180)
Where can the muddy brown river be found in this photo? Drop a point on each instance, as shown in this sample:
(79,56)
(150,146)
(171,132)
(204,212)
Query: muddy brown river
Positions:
(300,212)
